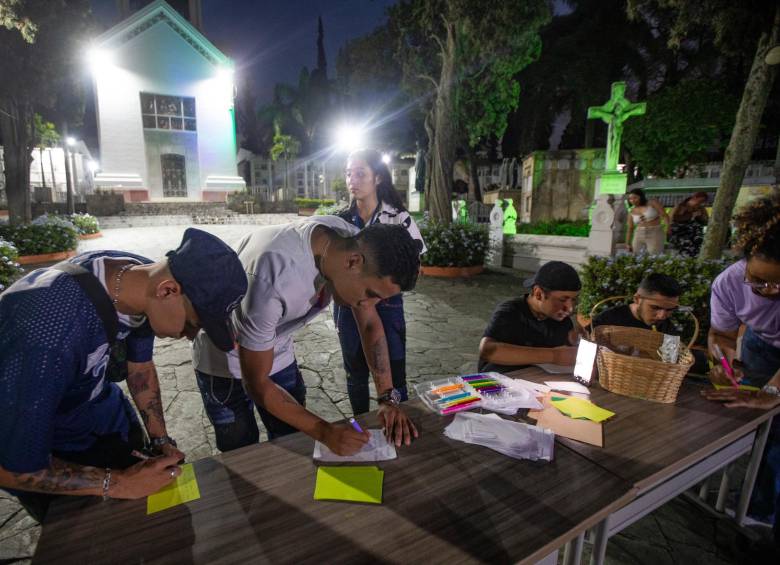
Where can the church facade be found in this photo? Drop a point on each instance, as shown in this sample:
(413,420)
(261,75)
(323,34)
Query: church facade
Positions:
(165,114)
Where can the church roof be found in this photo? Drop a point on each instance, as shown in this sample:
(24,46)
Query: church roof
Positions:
(161,11)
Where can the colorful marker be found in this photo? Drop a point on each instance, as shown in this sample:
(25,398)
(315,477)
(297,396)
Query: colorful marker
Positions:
(356,425)
(726,367)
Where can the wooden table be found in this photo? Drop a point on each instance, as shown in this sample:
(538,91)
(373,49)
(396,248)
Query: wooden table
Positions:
(664,449)
(444,501)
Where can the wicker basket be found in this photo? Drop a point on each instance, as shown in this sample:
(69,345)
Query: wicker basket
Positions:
(644,376)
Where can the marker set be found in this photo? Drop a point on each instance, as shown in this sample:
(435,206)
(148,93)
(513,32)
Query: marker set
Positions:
(447,396)
(490,391)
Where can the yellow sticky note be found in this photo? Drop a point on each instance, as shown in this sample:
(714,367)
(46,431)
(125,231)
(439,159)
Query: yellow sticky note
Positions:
(580,408)
(741,387)
(355,484)
(183,489)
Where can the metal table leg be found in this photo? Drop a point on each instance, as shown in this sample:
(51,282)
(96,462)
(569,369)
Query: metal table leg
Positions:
(600,542)
(723,492)
(704,489)
(752,470)
(572,554)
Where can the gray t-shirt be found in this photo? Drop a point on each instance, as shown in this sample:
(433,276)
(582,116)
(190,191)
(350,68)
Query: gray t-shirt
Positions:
(285,292)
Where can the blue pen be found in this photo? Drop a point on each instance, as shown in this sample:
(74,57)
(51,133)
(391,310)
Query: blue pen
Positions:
(355,425)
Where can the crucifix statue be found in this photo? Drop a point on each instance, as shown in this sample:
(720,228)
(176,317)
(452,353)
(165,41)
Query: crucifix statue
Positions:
(616,111)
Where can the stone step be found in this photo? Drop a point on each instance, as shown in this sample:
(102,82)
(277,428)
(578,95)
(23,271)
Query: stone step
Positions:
(114,222)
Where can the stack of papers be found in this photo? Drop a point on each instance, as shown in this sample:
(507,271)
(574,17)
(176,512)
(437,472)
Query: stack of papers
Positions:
(516,440)
(377,449)
(353,484)
(575,407)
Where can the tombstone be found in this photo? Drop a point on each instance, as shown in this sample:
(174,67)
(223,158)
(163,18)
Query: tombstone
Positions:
(607,222)
(495,255)
(510,218)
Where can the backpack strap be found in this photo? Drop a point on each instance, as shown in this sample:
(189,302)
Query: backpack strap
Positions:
(90,284)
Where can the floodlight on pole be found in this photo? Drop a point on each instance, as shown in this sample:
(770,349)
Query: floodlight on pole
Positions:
(71,141)
(93,166)
(386,158)
(349,138)
(99,59)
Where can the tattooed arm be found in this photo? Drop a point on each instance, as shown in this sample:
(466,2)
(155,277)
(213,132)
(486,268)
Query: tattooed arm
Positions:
(256,368)
(62,477)
(144,387)
(398,426)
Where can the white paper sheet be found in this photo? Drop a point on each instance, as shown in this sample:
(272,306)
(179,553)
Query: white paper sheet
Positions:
(377,449)
(567,386)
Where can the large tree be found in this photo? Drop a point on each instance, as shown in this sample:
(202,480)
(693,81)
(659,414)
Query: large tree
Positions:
(43,76)
(465,54)
(11,17)
(734,24)
(683,124)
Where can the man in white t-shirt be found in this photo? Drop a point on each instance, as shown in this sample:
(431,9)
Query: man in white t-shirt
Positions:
(293,271)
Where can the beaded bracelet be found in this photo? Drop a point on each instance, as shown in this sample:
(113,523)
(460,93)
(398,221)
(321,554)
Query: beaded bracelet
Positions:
(106,484)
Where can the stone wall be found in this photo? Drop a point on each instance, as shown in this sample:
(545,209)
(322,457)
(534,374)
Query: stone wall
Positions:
(113,222)
(527,252)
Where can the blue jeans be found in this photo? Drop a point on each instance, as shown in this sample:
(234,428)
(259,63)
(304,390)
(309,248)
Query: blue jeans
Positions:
(760,359)
(391,312)
(230,409)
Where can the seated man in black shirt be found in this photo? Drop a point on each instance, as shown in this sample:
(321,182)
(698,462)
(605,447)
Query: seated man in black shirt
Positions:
(537,327)
(656,299)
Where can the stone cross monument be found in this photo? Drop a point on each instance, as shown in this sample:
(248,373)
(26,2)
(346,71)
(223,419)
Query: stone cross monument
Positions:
(495,254)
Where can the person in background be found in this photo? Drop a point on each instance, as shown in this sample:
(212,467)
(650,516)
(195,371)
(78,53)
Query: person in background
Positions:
(536,327)
(656,299)
(645,232)
(688,220)
(374,200)
(65,428)
(748,293)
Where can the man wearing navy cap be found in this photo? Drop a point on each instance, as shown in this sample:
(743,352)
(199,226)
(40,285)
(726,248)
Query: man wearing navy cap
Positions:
(537,327)
(67,331)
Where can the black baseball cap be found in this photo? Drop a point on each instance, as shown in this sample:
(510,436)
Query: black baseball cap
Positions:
(213,279)
(555,275)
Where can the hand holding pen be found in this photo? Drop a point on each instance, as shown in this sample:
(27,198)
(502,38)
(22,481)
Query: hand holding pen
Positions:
(725,367)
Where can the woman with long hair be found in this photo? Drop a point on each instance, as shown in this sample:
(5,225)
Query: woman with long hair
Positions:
(644,223)
(373,199)
(688,220)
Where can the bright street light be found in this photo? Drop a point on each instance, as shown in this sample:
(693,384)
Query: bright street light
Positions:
(93,166)
(71,141)
(99,59)
(349,138)
(386,158)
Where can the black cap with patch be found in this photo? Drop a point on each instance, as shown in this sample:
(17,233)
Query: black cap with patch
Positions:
(556,275)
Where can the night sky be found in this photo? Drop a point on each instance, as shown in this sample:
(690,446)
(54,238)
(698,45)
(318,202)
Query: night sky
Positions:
(271,40)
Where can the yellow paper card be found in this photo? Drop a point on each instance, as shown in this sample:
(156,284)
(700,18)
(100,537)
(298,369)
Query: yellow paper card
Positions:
(580,408)
(183,489)
(741,387)
(355,484)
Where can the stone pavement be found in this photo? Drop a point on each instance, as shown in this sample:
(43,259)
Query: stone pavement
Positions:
(445,320)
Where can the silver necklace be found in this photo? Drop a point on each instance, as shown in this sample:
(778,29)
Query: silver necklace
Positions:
(118,281)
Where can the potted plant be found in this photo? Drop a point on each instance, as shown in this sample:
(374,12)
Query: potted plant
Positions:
(454,250)
(46,239)
(86,225)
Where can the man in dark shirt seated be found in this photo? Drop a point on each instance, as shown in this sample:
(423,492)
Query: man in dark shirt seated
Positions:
(536,327)
(656,299)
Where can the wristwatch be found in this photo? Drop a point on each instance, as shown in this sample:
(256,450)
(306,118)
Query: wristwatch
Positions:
(772,390)
(158,442)
(390,396)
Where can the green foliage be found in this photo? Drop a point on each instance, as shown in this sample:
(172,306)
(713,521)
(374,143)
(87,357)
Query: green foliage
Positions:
(339,186)
(556,227)
(453,245)
(330,210)
(285,146)
(10,18)
(45,133)
(313,202)
(85,224)
(9,268)
(603,277)
(47,234)
(682,124)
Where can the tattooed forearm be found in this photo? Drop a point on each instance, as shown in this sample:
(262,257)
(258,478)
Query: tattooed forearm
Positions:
(152,411)
(378,357)
(138,382)
(60,477)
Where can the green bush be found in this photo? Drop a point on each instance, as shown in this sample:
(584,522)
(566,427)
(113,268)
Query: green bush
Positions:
(313,202)
(51,236)
(9,268)
(453,245)
(84,223)
(603,277)
(577,228)
(331,210)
